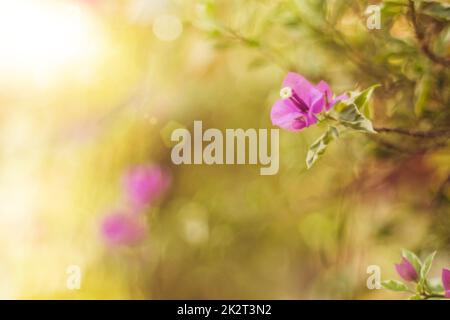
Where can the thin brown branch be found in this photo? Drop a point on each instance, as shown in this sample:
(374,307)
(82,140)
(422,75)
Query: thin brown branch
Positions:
(415,134)
(263,50)
(411,150)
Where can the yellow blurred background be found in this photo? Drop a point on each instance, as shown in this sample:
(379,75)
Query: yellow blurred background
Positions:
(90,88)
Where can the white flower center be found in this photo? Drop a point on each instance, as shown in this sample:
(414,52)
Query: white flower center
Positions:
(286,93)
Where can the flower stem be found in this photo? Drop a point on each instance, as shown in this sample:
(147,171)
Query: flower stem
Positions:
(406,132)
(329,117)
(430,296)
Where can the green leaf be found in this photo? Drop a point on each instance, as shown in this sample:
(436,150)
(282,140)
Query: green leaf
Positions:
(425,269)
(415,297)
(351,117)
(395,285)
(319,146)
(422,93)
(439,11)
(411,257)
(252,42)
(206,18)
(393,7)
(362,100)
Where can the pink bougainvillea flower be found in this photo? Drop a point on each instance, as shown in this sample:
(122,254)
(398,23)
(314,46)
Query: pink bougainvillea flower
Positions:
(301,102)
(122,229)
(446,282)
(330,99)
(406,270)
(144,184)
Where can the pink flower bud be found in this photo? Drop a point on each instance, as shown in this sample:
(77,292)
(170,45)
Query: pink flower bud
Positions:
(446,282)
(406,270)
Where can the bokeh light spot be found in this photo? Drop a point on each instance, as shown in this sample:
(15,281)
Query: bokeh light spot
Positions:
(167,27)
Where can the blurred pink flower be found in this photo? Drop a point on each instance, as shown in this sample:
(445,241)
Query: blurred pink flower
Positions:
(122,229)
(144,184)
(301,102)
(446,282)
(406,270)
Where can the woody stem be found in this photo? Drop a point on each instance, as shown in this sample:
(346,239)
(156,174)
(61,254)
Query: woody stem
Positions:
(415,134)
(412,133)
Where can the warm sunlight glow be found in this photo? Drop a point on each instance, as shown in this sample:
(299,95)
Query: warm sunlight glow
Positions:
(42,38)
